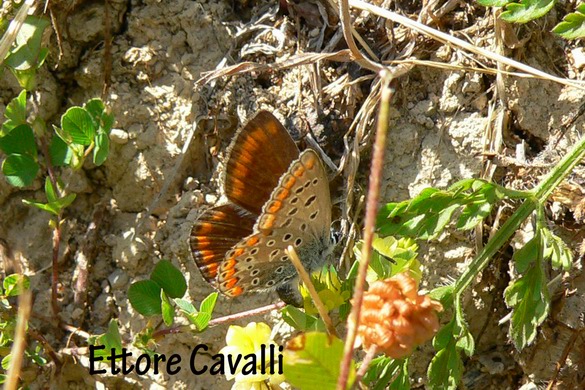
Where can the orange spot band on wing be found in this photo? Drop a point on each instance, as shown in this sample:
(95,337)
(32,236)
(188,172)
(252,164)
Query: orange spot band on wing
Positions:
(289,182)
(204,227)
(234,292)
(252,241)
(299,171)
(282,194)
(267,222)
(229,264)
(309,161)
(274,206)
(211,268)
(227,274)
(230,283)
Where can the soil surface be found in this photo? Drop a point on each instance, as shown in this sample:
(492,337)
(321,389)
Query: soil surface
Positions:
(165,164)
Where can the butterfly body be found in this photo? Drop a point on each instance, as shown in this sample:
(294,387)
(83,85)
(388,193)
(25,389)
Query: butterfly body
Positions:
(277,197)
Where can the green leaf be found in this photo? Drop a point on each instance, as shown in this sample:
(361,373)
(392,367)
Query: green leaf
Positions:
(402,381)
(77,155)
(102,148)
(312,360)
(185,306)
(530,302)
(473,214)
(300,320)
(187,309)
(384,371)
(102,119)
(20,170)
(15,284)
(379,265)
(54,207)
(27,53)
(529,253)
(95,107)
(445,336)
(526,10)
(208,304)
(144,296)
(6,360)
(59,153)
(37,357)
(79,125)
(493,3)
(20,140)
(65,136)
(168,311)
(107,123)
(443,294)
(50,192)
(169,278)
(201,320)
(573,25)
(465,340)
(110,339)
(560,255)
(446,368)
(43,206)
(427,215)
(15,113)
(63,202)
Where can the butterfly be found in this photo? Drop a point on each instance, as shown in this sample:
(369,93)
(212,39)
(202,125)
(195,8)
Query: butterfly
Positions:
(277,196)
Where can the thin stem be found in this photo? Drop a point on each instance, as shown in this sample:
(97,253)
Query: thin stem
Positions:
(249,313)
(221,320)
(17,351)
(372,351)
(306,278)
(55,268)
(371,211)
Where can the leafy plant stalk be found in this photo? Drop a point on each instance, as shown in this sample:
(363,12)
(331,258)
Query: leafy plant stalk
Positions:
(540,195)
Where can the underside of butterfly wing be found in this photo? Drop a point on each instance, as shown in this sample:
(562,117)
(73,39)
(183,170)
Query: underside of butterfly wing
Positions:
(298,214)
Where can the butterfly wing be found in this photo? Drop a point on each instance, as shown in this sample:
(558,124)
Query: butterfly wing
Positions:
(258,156)
(215,233)
(298,213)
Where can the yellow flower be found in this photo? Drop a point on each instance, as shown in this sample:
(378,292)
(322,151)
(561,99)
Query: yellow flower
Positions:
(247,341)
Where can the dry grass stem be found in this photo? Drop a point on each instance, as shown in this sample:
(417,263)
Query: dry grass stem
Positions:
(306,278)
(456,42)
(17,351)
(9,36)
(295,60)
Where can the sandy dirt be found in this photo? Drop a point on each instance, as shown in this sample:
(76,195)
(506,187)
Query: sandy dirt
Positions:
(439,127)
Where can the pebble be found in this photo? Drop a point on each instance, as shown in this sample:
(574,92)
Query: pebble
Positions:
(119,136)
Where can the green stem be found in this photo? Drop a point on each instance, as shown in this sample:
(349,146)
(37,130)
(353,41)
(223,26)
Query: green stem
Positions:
(539,195)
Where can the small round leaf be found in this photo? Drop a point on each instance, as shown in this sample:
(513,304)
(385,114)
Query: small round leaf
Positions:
(144,297)
(169,278)
(20,170)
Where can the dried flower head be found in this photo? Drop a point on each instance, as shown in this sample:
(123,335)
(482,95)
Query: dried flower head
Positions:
(395,318)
